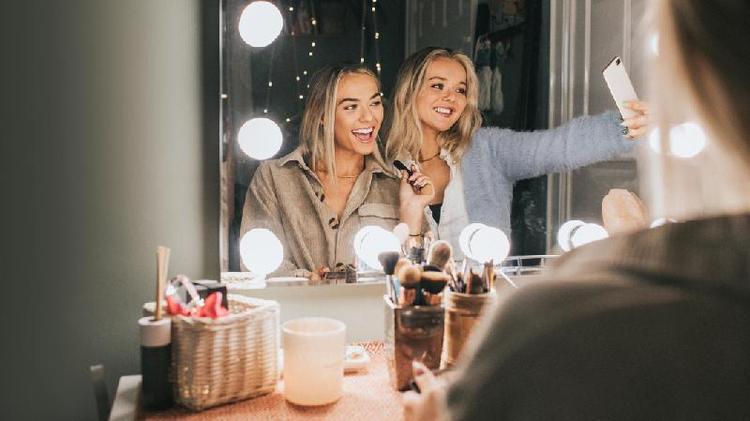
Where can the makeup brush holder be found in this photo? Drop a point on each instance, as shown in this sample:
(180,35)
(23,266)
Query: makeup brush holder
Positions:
(412,333)
(462,313)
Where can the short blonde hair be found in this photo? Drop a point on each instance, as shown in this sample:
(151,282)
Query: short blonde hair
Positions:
(316,133)
(405,133)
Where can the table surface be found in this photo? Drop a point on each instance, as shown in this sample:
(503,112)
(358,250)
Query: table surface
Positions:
(368,395)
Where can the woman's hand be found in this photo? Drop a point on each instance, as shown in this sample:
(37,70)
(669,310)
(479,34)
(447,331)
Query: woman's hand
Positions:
(415,193)
(428,405)
(639,124)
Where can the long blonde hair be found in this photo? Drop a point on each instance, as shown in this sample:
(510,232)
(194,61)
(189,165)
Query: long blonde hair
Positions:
(405,133)
(702,72)
(316,133)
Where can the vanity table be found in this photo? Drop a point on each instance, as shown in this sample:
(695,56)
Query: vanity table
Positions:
(368,395)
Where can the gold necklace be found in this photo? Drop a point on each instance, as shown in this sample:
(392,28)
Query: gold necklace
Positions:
(430,158)
(347,176)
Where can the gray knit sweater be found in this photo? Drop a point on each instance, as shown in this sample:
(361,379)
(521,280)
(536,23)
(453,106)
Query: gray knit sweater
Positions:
(497,158)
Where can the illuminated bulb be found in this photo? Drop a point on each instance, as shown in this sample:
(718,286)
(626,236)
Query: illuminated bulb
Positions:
(314,22)
(685,140)
(261,251)
(654,44)
(260,23)
(297,78)
(370,241)
(482,243)
(288,119)
(291,9)
(260,138)
(361,59)
(304,72)
(661,221)
(377,35)
(309,53)
(313,43)
(563,234)
(587,233)
(300,97)
(373,9)
(308,86)
(270,83)
(265,111)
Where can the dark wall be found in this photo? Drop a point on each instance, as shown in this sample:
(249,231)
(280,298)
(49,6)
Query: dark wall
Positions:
(109,131)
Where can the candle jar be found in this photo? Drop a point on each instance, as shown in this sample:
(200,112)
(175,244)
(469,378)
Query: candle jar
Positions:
(412,333)
(462,313)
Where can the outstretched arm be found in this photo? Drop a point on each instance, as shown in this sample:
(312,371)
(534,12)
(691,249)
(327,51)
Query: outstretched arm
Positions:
(580,142)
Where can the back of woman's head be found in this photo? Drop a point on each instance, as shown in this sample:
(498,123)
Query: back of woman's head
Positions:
(708,47)
(703,73)
(405,133)
(317,128)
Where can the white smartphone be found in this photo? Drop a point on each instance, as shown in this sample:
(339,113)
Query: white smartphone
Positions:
(620,86)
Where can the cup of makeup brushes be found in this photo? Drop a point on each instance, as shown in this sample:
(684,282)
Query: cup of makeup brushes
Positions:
(412,333)
(462,313)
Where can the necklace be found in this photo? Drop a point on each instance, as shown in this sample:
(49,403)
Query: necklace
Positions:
(348,176)
(430,158)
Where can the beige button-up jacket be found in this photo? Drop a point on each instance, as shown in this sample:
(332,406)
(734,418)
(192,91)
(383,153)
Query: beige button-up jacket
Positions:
(286,197)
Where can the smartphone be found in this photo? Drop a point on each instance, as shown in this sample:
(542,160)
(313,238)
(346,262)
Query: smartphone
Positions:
(620,86)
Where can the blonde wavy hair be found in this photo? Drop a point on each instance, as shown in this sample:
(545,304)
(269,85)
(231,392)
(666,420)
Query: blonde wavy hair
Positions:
(317,142)
(405,133)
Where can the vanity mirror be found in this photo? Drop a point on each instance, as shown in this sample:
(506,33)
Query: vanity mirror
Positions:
(537,63)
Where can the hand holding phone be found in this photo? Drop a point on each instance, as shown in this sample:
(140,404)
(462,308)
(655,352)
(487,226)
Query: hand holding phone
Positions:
(620,86)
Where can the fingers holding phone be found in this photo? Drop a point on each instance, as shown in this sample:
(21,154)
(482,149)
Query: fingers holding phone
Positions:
(640,122)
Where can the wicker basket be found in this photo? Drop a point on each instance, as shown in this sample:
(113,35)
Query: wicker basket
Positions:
(227,359)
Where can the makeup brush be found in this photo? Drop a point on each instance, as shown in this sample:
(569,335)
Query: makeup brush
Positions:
(434,282)
(488,276)
(440,254)
(162,265)
(474,284)
(410,277)
(389,259)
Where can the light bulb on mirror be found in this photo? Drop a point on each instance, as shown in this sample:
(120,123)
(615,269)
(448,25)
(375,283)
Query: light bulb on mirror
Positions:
(587,233)
(482,243)
(563,234)
(686,140)
(260,138)
(372,240)
(260,23)
(261,251)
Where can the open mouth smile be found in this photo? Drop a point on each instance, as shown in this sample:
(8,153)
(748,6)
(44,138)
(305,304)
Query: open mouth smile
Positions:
(365,134)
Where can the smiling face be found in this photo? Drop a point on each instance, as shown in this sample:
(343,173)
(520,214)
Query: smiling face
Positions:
(359,113)
(442,97)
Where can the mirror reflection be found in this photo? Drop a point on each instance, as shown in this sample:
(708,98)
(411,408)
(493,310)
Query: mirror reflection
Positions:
(315,119)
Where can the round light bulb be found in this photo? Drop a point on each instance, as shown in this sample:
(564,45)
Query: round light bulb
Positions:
(370,241)
(260,138)
(685,140)
(563,234)
(465,236)
(261,251)
(587,233)
(654,44)
(489,244)
(260,23)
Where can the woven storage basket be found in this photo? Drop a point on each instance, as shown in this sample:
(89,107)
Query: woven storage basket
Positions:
(217,361)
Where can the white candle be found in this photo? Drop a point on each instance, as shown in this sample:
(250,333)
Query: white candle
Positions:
(314,351)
